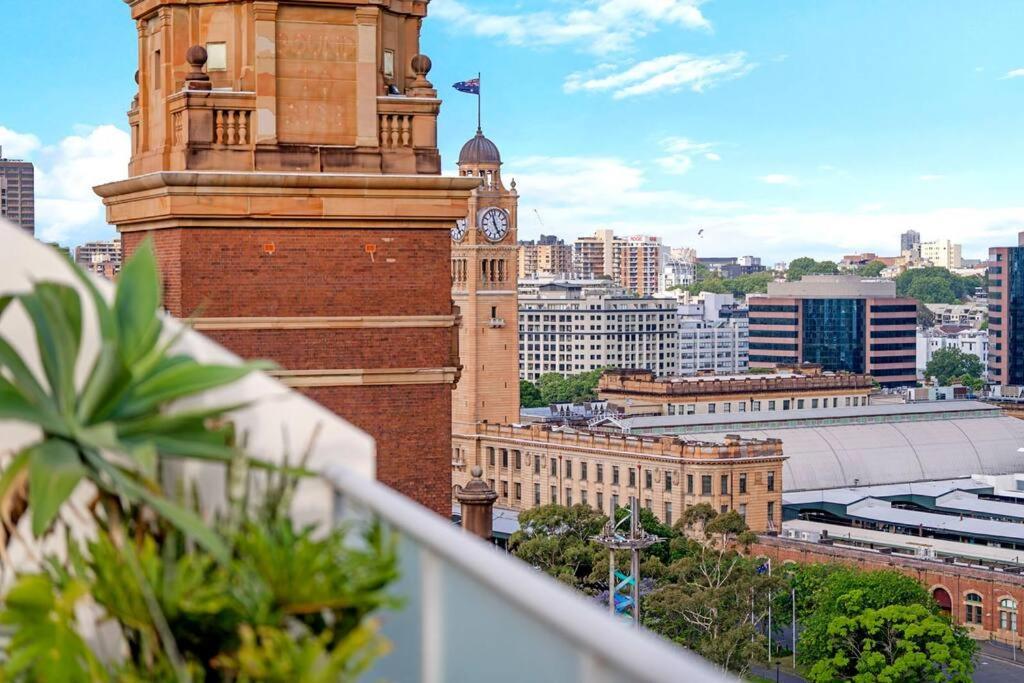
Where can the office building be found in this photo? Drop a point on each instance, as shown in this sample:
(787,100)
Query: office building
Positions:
(1006,315)
(573,326)
(942,253)
(843,323)
(308,224)
(713,333)
(545,257)
(17,193)
(102,257)
(910,243)
(635,262)
(966,339)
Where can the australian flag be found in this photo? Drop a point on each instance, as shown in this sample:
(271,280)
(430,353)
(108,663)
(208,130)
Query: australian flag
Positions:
(472,86)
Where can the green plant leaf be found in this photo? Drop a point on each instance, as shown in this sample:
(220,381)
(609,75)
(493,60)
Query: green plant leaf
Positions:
(15,406)
(136,303)
(187,522)
(184,379)
(108,375)
(108,323)
(55,338)
(174,422)
(54,470)
(23,376)
(15,467)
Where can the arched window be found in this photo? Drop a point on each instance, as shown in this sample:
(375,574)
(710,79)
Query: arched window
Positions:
(1008,614)
(972,608)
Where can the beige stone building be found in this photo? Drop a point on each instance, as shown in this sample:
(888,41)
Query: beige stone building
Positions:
(531,465)
(635,262)
(640,392)
(547,256)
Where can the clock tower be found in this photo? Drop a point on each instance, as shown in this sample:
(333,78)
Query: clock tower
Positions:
(484,274)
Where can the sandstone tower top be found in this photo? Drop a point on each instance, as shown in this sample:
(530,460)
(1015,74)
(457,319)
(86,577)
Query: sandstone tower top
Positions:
(315,86)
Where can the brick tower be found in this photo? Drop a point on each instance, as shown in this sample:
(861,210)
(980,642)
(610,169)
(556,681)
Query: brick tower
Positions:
(484,280)
(284,162)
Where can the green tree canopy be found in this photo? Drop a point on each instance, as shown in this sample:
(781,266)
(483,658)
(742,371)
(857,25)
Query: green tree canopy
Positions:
(553,387)
(808,266)
(872,269)
(951,363)
(739,286)
(529,395)
(936,285)
(557,540)
(894,643)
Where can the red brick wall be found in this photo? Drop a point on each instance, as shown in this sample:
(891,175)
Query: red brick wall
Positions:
(956,580)
(226,272)
(413,428)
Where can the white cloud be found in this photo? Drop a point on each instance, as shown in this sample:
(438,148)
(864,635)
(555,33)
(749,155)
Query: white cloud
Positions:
(930,177)
(17,145)
(599,26)
(67,210)
(668,73)
(779,179)
(680,152)
(1014,73)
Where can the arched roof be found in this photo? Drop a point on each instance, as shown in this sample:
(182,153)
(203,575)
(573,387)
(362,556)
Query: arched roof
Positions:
(479,150)
(889,453)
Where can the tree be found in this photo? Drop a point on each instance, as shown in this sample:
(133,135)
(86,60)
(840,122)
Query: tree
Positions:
(848,592)
(925,318)
(557,540)
(872,269)
(554,387)
(895,643)
(808,266)
(952,363)
(932,290)
(934,285)
(529,395)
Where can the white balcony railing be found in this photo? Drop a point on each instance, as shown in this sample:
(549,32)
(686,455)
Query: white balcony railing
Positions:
(472,613)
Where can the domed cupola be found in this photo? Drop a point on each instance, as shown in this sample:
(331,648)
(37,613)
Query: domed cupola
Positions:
(480,157)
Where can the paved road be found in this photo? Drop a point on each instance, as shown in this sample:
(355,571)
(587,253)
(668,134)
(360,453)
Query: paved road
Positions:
(989,669)
(770,675)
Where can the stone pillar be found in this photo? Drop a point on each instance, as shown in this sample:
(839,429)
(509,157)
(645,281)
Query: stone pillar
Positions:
(477,501)
(265,13)
(366,77)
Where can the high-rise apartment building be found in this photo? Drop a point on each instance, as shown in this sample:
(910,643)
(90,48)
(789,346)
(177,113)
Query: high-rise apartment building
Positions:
(1006,315)
(545,257)
(101,257)
(285,166)
(677,273)
(576,326)
(635,262)
(18,193)
(843,323)
(942,253)
(910,243)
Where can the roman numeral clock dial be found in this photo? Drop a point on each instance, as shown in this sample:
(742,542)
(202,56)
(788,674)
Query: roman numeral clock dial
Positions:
(494,223)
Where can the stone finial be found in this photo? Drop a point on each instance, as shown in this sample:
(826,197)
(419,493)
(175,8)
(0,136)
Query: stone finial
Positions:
(477,501)
(197,80)
(420,86)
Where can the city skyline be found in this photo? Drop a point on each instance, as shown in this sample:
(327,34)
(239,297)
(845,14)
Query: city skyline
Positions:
(766,127)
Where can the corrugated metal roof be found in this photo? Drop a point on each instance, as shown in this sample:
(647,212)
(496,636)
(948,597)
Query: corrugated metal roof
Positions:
(880,511)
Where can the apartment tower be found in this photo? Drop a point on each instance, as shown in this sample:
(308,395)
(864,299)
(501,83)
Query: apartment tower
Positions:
(17,192)
(285,166)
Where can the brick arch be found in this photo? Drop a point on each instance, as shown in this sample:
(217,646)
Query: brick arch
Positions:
(942,597)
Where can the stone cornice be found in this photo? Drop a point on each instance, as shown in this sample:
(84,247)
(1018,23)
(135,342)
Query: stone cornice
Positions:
(349,377)
(323,322)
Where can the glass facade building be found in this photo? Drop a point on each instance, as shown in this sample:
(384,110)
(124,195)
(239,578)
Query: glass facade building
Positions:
(1014,317)
(833,334)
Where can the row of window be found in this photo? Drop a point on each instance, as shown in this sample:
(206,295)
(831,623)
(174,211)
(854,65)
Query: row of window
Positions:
(774,404)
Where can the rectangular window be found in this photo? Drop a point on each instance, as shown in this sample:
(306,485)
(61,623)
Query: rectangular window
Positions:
(771,481)
(725,484)
(615,502)
(518,458)
(615,474)
(668,514)
(785,404)
(771,405)
(600,473)
(755,406)
(504,458)
(536,464)
(743,510)
(554,495)
(649,504)
(668,481)
(490,482)
(583,497)
(705,484)
(583,470)
(536,494)
(568,469)
(632,476)
(600,501)
(554,467)
(814,403)
(519,491)
(648,479)
(504,489)
(771,511)
(568,497)
(490,456)
(799,404)
(724,509)
(689,483)
(711,409)
(743,482)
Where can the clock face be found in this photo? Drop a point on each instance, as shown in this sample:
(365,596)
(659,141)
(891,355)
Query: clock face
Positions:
(459,231)
(494,223)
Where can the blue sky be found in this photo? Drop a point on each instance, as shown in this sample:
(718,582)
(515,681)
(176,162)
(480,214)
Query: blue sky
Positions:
(780,128)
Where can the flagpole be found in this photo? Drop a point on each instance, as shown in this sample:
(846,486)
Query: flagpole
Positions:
(479,97)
